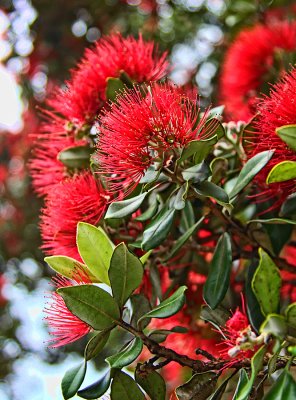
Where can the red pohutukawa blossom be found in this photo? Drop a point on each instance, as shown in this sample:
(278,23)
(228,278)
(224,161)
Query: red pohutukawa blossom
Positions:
(253,59)
(74,109)
(85,93)
(240,342)
(64,326)
(141,129)
(45,168)
(79,198)
(275,110)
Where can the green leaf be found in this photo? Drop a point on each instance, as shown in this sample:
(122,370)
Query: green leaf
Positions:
(96,344)
(72,380)
(66,266)
(114,87)
(127,355)
(272,221)
(254,313)
(250,169)
(242,382)
(168,307)
(289,206)
(284,388)
(216,112)
(149,213)
(145,257)
(197,173)
(266,284)
(96,389)
(291,315)
(219,274)
(187,217)
(284,171)
(183,239)
(199,148)
(95,248)
(125,273)
(125,388)
(178,201)
(217,317)
(218,394)
(275,325)
(160,335)
(292,350)
(288,134)
(152,382)
(92,305)
(209,189)
(140,306)
(256,365)
(75,157)
(158,229)
(200,387)
(120,209)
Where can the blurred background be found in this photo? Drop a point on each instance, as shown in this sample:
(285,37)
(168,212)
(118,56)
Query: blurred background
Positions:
(40,41)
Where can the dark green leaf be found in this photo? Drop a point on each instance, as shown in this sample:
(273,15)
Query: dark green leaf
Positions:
(266,284)
(197,173)
(289,206)
(183,239)
(125,388)
(149,213)
(209,189)
(284,388)
(160,335)
(187,217)
(95,248)
(75,157)
(97,389)
(158,229)
(284,171)
(217,317)
(96,344)
(219,392)
(199,148)
(288,134)
(153,384)
(125,273)
(114,87)
(72,380)
(178,201)
(255,316)
(168,307)
(242,382)
(250,169)
(120,209)
(127,355)
(219,274)
(199,387)
(67,266)
(245,388)
(140,306)
(92,305)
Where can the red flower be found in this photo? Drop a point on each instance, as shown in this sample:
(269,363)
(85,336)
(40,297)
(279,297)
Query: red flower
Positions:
(45,168)
(85,92)
(250,62)
(137,130)
(275,110)
(63,325)
(240,341)
(77,199)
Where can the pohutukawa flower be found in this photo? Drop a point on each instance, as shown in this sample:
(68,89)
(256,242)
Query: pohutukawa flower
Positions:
(141,129)
(80,198)
(275,110)
(64,326)
(253,59)
(45,168)
(86,90)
